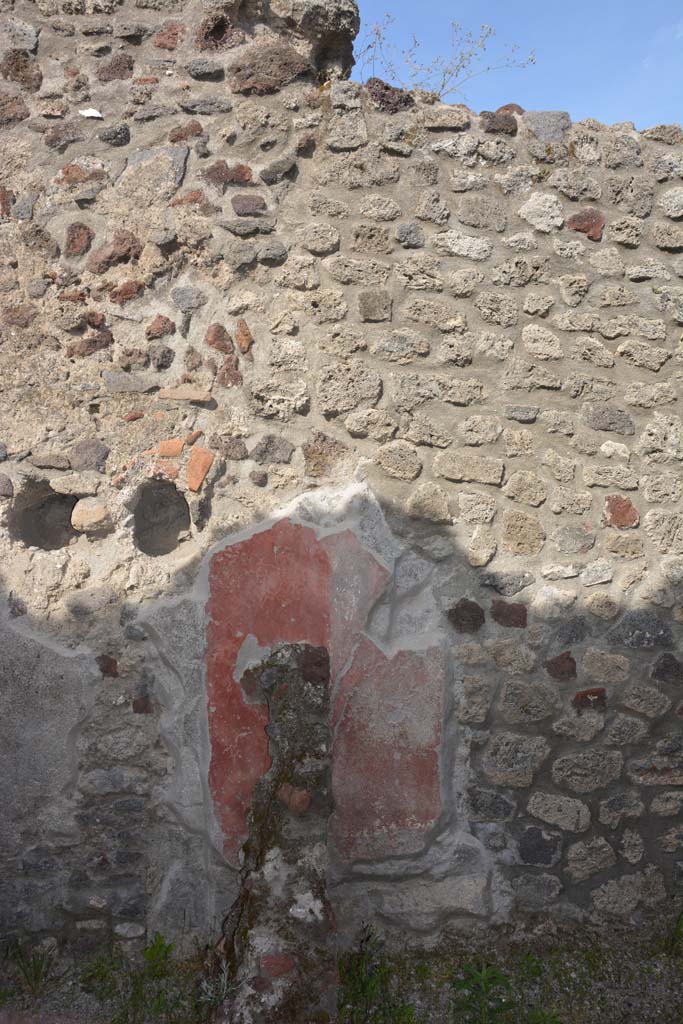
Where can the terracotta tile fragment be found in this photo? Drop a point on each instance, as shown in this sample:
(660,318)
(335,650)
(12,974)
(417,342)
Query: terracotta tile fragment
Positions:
(201,460)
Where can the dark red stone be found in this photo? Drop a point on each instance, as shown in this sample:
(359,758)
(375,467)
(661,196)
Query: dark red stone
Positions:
(217,337)
(594,699)
(108,665)
(78,239)
(75,295)
(126,292)
(590,222)
(7,199)
(19,316)
(221,175)
(276,965)
(169,36)
(248,206)
(20,67)
(159,327)
(142,706)
(668,669)
(89,344)
(561,667)
(510,108)
(387,97)
(12,109)
(123,247)
(195,197)
(118,68)
(184,132)
(229,375)
(466,616)
(621,512)
(509,614)
(499,122)
(74,174)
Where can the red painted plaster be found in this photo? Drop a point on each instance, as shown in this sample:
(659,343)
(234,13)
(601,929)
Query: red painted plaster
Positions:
(273,586)
(283,585)
(385,765)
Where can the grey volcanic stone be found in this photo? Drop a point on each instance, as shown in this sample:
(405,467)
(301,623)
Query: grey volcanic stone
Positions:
(507,583)
(548,125)
(202,68)
(641,629)
(601,416)
(513,760)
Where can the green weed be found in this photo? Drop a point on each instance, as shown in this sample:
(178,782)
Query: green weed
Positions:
(483,995)
(365,994)
(673,942)
(538,1016)
(34,968)
(160,989)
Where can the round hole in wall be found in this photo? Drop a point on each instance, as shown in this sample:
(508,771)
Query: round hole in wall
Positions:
(41,518)
(160,516)
(214,32)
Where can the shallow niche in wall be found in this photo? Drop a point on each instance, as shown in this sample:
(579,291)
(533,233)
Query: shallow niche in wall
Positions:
(161,516)
(41,518)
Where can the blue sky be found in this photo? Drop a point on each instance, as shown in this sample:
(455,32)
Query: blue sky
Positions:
(614,60)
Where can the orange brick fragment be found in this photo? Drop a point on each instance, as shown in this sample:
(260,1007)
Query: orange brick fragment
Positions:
(192,198)
(171,448)
(166,470)
(199,465)
(243,336)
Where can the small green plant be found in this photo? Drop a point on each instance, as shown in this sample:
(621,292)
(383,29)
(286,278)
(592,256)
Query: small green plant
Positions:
(483,995)
(160,989)
(539,1016)
(365,992)
(157,957)
(213,991)
(530,967)
(673,942)
(34,968)
(103,975)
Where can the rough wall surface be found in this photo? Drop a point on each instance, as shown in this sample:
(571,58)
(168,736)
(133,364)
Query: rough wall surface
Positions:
(290,361)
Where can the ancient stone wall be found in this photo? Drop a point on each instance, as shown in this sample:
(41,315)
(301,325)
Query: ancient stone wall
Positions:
(290,361)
